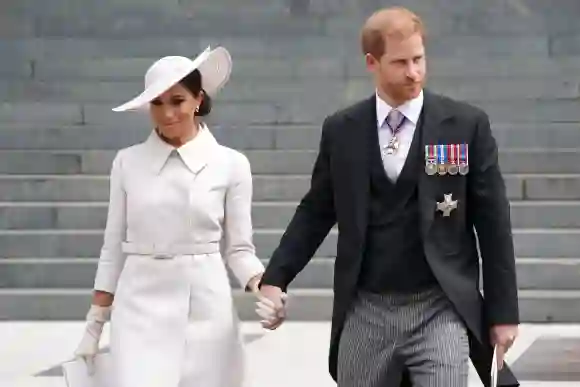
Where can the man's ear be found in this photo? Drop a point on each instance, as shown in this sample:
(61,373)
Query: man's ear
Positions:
(371,62)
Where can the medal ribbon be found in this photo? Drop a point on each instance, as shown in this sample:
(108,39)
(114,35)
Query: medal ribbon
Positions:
(430,153)
(452,154)
(442,154)
(463,155)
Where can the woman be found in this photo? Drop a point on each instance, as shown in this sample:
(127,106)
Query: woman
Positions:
(177,201)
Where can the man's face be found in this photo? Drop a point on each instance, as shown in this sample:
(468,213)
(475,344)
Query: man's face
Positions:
(401,71)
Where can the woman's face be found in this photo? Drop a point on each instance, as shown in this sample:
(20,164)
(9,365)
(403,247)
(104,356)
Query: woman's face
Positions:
(173,112)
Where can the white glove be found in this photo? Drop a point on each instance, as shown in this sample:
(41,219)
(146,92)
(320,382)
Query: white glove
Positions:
(89,345)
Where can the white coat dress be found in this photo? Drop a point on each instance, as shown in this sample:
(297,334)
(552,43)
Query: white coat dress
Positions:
(176,218)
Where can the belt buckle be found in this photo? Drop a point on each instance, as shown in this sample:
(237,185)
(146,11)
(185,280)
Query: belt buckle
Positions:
(162,256)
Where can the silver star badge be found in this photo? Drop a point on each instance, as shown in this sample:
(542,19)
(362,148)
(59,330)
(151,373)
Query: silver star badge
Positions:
(447,205)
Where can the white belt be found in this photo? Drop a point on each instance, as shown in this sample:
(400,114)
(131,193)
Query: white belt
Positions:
(160,251)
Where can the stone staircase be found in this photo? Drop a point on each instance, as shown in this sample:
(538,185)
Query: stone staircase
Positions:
(67,62)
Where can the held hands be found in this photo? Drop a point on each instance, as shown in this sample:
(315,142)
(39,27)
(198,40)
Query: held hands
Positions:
(503,336)
(89,345)
(271,306)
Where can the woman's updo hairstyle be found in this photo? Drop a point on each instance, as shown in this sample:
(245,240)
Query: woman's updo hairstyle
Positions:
(193,83)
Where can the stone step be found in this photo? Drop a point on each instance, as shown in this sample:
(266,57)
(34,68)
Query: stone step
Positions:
(457,16)
(62,188)
(278,136)
(304,90)
(116,92)
(563,243)
(133,69)
(264,45)
(87,243)
(292,112)
(477,89)
(565,45)
(269,215)
(471,18)
(304,305)
(279,162)
(56,7)
(545,214)
(545,136)
(109,137)
(312,112)
(528,111)
(485,67)
(15,68)
(174,7)
(239,113)
(16,27)
(139,24)
(40,113)
(458,69)
(67,273)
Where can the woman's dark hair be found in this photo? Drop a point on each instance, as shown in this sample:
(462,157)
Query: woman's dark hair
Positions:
(193,83)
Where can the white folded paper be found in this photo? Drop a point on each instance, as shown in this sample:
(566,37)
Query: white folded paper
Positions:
(76,372)
(494,368)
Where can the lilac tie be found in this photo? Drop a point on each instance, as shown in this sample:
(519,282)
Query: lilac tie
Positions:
(395,121)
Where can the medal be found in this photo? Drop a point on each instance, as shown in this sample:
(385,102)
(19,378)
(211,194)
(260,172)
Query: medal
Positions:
(463,159)
(394,121)
(392,146)
(452,169)
(447,205)
(430,160)
(442,160)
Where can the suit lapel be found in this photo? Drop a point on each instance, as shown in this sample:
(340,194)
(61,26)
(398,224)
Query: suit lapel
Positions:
(361,123)
(432,117)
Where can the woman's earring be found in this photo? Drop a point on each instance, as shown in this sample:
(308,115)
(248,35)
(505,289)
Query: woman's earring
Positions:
(197,109)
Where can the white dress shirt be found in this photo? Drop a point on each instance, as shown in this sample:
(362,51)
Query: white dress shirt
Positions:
(393,163)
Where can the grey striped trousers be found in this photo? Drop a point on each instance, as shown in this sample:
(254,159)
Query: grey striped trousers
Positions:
(385,333)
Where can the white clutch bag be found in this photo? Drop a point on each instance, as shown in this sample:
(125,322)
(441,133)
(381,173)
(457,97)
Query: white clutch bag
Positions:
(76,372)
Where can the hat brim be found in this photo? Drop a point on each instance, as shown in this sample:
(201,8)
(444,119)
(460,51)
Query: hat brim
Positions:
(214,65)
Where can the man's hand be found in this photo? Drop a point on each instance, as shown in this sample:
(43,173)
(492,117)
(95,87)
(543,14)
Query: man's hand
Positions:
(503,336)
(271,306)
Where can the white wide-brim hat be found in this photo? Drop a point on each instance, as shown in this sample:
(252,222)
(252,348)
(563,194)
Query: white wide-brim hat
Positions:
(214,65)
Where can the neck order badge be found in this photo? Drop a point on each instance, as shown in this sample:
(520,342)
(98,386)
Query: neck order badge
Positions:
(394,121)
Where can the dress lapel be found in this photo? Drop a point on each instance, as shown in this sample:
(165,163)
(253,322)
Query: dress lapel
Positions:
(195,154)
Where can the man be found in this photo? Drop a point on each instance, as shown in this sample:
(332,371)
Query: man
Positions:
(407,175)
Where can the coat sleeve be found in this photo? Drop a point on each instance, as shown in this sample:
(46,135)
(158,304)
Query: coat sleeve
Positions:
(490,210)
(239,249)
(311,223)
(112,259)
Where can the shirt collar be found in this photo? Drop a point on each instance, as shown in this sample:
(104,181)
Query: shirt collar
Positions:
(410,109)
(195,153)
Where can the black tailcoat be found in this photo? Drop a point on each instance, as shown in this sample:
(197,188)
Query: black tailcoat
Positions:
(339,193)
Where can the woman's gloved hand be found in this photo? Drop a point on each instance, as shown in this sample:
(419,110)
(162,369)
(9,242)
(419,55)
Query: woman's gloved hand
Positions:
(89,345)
